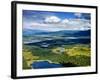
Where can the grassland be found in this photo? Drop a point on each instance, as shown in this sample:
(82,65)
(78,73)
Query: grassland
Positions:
(76,54)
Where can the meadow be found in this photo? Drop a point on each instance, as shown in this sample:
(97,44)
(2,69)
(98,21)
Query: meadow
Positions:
(72,55)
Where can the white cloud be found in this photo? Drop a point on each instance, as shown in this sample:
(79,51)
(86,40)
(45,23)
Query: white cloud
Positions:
(52,19)
(79,24)
(66,24)
(78,14)
(65,21)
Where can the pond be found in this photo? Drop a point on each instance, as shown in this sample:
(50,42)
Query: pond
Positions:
(45,64)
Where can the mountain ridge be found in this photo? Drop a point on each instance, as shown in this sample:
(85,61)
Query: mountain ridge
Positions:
(29,32)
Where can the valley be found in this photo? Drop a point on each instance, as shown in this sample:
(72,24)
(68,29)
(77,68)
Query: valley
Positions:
(56,49)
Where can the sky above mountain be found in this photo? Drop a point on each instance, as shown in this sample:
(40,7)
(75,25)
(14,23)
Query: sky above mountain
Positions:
(56,21)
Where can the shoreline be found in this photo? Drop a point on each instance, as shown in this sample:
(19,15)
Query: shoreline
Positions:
(46,60)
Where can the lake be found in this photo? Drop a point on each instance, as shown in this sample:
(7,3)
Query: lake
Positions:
(45,64)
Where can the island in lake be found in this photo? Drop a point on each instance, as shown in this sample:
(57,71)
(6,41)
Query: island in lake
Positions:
(56,39)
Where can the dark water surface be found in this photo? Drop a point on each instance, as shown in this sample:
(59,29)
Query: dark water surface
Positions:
(45,64)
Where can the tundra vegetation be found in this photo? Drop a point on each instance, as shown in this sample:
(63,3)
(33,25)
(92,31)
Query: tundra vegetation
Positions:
(75,55)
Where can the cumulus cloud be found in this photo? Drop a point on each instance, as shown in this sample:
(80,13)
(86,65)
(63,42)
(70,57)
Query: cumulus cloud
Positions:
(54,23)
(79,24)
(78,15)
(52,19)
(65,21)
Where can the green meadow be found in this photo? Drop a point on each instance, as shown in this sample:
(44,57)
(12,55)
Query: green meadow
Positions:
(74,55)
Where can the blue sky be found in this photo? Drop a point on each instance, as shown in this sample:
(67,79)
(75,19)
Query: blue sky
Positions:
(55,21)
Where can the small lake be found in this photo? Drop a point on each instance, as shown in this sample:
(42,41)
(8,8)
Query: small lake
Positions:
(45,64)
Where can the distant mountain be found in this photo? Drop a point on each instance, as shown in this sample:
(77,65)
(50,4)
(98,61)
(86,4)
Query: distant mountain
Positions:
(72,33)
(83,33)
(29,32)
